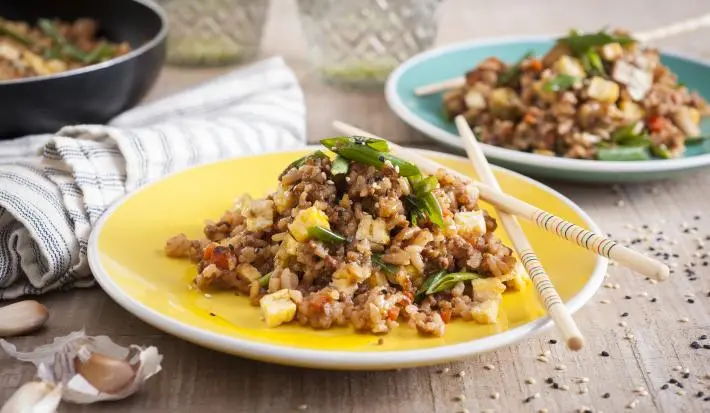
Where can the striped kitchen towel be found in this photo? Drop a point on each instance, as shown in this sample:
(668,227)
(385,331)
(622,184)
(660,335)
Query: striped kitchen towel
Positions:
(53,188)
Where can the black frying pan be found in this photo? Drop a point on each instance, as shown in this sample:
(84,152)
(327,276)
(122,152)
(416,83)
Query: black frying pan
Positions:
(93,94)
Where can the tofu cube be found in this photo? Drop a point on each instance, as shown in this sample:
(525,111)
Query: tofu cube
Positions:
(305,219)
(470,223)
(569,66)
(277,308)
(485,312)
(485,289)
(603,90)
(612,51)
(520,278)
(631,111)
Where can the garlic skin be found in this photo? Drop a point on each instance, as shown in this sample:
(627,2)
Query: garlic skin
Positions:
(22,317)
(112,372)
(34,397)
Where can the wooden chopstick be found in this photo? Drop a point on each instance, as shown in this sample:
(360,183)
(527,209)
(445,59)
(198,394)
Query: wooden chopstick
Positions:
(673,29)
(546,291)
(549,222)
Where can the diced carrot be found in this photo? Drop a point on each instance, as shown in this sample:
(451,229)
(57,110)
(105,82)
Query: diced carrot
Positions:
(207,253)
(529,118)
(656,123)
(319,301)
(220,257)
(446,315)
(393,313)
(536,65)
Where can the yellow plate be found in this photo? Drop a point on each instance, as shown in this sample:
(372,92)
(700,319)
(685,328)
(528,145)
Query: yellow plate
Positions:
(126,256)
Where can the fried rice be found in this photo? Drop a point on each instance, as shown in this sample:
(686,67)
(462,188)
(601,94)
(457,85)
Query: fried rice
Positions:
(592,96)
(376,258)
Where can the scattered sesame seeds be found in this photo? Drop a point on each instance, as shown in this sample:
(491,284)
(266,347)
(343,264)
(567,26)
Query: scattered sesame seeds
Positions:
(489,367)
(495,396)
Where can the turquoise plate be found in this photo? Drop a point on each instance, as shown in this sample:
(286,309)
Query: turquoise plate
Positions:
(425,113)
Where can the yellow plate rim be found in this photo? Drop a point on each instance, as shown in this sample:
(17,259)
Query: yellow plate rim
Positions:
(329,359)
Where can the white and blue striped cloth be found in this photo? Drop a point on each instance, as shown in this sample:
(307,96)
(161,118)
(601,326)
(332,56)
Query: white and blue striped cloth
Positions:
(53,188)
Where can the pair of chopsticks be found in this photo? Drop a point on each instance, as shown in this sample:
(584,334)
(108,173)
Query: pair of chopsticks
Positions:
(507,206)
(651,35)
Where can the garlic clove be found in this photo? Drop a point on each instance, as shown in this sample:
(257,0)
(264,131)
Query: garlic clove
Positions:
(106,374)
(34,397)
(22,317)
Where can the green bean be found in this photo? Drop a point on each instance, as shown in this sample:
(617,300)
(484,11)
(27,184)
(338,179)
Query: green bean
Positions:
(264,281)
(67,48)
(368,156)
(425,186)
(102,51)
(431,280)
(623,153)
(661,151)
(379,145)
(559,83)
(325,235)
(696,139)
(339,166)
(448,281)
(388,268)
(6,31)
(433,209)
(302,161)
(513,71)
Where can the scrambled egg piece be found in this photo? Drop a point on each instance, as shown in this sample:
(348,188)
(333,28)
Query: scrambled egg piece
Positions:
(374,230)
(519,278)
(307,218)
(277,308)
(487,289)
(283,199)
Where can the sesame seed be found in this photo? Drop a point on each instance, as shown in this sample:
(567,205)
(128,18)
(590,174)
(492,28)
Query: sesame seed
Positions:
(699,394)
(208,295)
(629,336)
(444,370)
(549,380)
(583,390)
(643,294)
(654,299)
(684,319)
(672,380)
(664,387)
(536,396)
(560,367)
(552,341)
(695,345)
(639,389)
(604,301)
(608,285)
(604,353)
(680,392)
(620,203)
(564,387)
(464,411)
(624,314)
(706,399)
(633,404)
(606,395)
(542,359)
(584,380)
(627,297)
(495,396)
(528,399)
(690,301)
(459,398)
(543,410)
(461,373)
(703,337)
(489,367)
(706,346)
(213,314)
(303,407)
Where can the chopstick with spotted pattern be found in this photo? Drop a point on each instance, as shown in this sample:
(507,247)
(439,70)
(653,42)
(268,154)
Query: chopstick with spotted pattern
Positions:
(549,222)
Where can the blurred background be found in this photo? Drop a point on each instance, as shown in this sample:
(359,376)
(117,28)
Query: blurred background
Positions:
(323,41)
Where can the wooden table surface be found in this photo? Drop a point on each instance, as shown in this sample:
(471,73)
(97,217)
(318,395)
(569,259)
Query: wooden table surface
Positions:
(646,350)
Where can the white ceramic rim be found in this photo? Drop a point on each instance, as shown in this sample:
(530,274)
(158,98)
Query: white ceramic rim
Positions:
(523,158)
(336,360)
(162,34)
